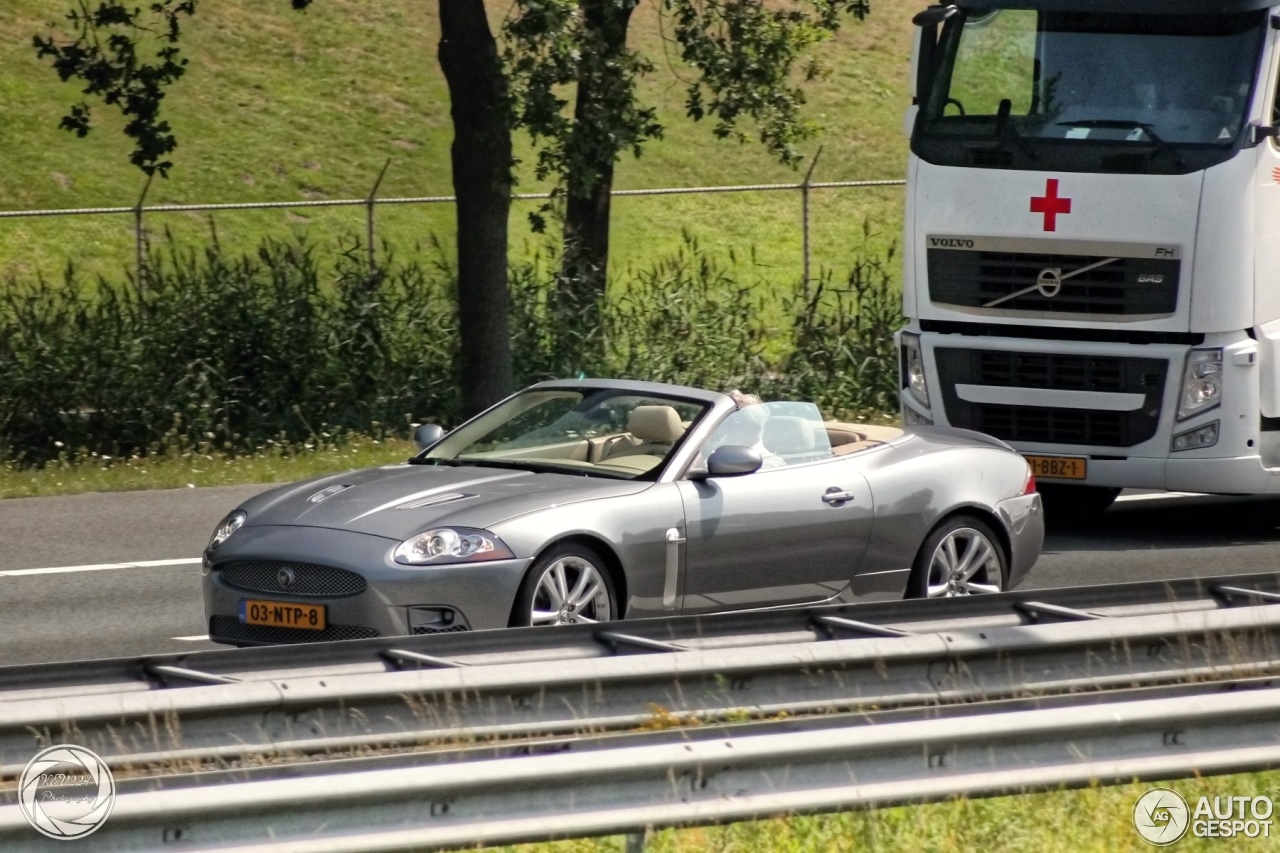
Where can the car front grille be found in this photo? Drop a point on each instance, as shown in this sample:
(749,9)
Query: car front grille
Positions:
(1017,423)
(1122,287)
(302,578)
(222,628)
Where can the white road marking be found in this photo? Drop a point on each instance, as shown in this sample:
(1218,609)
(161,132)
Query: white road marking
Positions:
(101,567)
(1159,496)
(194,638)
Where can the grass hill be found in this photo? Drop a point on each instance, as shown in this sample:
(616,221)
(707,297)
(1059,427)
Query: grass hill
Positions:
(281,106)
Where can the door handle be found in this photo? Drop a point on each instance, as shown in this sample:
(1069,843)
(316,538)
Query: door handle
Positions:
(835,496)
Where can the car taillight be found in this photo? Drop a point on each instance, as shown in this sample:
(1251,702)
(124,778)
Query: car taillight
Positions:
(1029,488)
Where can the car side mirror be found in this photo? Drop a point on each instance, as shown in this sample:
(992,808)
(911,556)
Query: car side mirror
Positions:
(427,435)
(733,460)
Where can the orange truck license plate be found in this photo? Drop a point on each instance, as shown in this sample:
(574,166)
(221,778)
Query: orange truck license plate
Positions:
(282,614)
(1058,467)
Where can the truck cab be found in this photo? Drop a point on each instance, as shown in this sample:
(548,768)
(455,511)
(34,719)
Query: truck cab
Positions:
(1092,226)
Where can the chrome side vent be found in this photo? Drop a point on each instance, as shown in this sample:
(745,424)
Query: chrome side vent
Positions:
(323,494)
(434,500)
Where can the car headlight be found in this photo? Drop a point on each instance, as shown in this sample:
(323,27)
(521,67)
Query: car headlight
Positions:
(451,545)
(229,525)
(913,378)
(1201,382)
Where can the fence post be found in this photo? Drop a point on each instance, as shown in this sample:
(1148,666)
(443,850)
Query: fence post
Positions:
(139,237)
(804,214)
(370,205)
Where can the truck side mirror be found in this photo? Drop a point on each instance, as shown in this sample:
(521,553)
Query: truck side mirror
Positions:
(1259,133)
(924,45)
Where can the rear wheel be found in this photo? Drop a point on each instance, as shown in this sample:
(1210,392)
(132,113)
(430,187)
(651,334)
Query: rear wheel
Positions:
(961,556)
(1066,505)
(568,585)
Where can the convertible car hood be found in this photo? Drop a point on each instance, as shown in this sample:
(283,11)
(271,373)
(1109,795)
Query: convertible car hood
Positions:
(398,501)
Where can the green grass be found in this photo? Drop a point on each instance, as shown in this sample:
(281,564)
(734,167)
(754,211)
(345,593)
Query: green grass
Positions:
(1096,820)
(280,106)
(77,472)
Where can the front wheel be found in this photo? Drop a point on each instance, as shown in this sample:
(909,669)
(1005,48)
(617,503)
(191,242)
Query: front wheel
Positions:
(568,585)
(961,556)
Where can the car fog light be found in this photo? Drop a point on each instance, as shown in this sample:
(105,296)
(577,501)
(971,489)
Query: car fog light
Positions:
(1205,436)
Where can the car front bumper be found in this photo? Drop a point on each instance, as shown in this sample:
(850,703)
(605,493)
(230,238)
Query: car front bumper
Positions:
(476,595)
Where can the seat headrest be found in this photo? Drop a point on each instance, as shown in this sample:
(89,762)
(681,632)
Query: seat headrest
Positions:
(655,424)
(784,435)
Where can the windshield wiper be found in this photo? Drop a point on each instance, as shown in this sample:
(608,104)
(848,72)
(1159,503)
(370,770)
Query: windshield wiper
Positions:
(1006,132)
(1130,124)
(432,460)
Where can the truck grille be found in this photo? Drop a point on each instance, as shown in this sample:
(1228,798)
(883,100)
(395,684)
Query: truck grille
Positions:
(1014,423)
(1123,287)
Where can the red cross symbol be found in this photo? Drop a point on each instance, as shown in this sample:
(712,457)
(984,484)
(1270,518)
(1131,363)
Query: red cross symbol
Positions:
(1050,205)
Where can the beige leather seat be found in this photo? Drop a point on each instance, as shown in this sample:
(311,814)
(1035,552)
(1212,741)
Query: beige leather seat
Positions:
(654,430)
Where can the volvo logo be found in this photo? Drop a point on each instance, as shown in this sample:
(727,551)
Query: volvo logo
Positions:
(1049,282)
(285,578)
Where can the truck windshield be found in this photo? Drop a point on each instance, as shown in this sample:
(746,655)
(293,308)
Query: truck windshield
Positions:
(1074,91)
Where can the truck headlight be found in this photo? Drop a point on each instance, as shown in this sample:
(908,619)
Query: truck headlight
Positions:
(913,378)
(1201,382)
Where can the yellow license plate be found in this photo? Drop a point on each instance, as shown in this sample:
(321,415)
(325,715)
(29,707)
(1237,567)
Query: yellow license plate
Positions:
(1058,467)
(282,614)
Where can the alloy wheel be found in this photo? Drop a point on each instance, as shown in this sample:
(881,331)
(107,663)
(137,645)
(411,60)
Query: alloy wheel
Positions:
(965,562)
(570,591)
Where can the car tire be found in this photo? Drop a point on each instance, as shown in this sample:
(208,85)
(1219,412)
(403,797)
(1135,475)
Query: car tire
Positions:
(940,569)
(572,568)
(1067,506)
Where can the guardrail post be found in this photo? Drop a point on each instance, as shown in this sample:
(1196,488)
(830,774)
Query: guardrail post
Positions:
(370,206)
(140,238)
(636,841)
(804,215)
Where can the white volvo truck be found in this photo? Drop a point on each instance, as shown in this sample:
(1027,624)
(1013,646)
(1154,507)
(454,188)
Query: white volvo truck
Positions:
(1093,240)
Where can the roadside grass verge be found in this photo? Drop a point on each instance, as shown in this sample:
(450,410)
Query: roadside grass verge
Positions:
(1097,819)
(77,472)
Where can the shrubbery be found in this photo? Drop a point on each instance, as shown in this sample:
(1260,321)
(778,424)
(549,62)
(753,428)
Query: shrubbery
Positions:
(236,352)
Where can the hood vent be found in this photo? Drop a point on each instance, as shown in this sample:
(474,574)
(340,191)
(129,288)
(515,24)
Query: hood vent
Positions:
(326,493)
(435,500)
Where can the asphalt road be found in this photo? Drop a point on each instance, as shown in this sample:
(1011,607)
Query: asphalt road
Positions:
(87,612)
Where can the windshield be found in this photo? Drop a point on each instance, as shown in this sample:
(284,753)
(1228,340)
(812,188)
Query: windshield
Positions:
(1076,91)
(591,431)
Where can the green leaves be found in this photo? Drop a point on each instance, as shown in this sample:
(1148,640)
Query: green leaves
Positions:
(749,55)
(105,53)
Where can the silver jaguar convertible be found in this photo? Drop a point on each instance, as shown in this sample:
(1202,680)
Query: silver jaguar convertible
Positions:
(590,500)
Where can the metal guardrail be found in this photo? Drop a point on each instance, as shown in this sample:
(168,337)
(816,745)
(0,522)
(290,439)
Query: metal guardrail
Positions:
(540,683)
(668,778)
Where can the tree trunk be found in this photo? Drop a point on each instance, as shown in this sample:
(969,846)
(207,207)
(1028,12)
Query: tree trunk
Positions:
(481,155)
(585,264)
